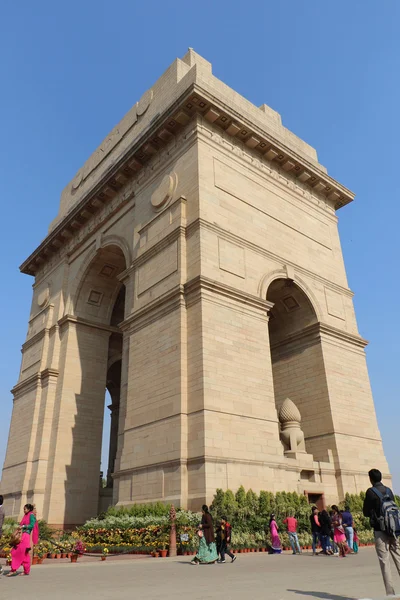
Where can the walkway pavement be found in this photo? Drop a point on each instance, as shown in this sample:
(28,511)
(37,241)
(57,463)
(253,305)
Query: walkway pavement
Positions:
(251,577)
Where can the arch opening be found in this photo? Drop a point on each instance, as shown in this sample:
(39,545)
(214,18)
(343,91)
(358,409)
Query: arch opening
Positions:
(100,308)
(297,361)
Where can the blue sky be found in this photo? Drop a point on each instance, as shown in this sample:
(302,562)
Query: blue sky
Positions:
(71,70)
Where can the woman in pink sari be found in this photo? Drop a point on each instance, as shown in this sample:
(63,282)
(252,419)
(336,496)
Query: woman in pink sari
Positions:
(275,540)
(35,531)
(20,554)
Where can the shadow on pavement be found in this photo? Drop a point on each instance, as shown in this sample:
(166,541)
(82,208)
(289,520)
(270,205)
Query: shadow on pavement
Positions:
(323,595)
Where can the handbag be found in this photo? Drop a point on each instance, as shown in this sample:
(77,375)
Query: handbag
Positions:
(15,538)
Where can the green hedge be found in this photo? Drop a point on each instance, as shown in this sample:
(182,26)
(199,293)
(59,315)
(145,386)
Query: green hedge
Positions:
(141,525)
(249,512)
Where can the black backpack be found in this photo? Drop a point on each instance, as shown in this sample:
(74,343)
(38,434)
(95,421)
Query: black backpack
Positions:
(389,517)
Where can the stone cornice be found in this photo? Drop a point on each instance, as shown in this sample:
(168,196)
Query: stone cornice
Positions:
(188,294)
(312,335)
(194,101)
(67,319)
(29,383)
(278,463)
(343,336)
(33,381)
(35,338)
(200,223)
(161,306)
(130,163)
(268,171)
(202,288)
(273,150)
(49,373)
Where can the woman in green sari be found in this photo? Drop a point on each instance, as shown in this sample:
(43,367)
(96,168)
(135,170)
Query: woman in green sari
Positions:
(207,552)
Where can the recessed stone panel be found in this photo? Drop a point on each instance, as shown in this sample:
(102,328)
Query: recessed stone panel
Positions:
(95,297)
(231,258)
(158,268)
(334,304)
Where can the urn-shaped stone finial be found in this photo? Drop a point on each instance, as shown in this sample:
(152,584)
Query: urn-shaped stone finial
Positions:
(291,433)
(289,412)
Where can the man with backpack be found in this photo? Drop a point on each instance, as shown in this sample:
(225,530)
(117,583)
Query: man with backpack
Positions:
(384,515)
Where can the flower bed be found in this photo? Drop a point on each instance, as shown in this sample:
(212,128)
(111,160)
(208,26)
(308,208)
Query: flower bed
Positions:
(145,529)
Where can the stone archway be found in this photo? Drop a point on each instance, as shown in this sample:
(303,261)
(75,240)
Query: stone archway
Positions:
(91,358)
(297,361)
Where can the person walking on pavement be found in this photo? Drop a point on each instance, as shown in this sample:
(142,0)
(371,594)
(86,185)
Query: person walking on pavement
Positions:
(325,534)
(315,529)
(224,534)
(207,552)
(291,524)
(384,516)
(347,519)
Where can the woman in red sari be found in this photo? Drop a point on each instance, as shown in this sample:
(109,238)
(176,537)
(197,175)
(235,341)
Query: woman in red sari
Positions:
(20,554)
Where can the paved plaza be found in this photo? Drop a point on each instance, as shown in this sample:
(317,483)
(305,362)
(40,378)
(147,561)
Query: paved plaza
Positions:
(252,576)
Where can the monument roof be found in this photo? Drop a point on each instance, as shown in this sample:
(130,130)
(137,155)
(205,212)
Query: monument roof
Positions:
(186,88)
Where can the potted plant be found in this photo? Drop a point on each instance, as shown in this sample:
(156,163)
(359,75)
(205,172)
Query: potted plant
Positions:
(41,553)
(78,550)
(163,541)
(104,553)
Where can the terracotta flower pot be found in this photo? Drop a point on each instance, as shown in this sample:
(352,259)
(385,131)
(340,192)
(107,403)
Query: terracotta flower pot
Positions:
(63,555)
(103,558)
(39,560)
(74,558)
(58,555)
(35,560)
(163,553)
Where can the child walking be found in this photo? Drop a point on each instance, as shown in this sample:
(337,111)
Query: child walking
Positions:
(224,533)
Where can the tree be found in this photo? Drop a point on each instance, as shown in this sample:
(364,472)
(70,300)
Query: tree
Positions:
(241,497)
(251,502)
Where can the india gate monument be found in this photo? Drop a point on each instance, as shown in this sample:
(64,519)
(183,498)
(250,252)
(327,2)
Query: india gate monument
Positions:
(194,270)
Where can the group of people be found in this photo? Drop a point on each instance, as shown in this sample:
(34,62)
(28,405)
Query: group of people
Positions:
(22,540)
(334,531)
(213,548)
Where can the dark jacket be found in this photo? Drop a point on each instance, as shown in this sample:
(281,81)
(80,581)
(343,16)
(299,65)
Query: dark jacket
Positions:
(325,522)
(208,528)
(372,504)
(314,526)
(224,533)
